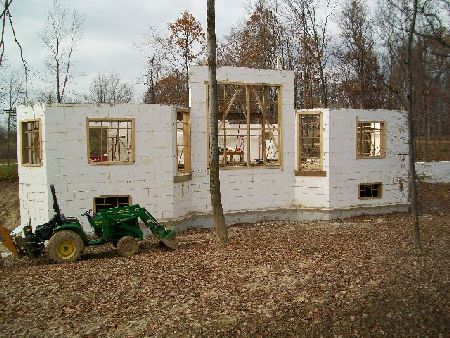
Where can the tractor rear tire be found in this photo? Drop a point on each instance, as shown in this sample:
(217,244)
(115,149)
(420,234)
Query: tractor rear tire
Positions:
(65,246)
(127,246)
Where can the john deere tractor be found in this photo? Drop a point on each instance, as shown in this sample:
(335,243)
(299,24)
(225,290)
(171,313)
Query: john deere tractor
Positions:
(67,239)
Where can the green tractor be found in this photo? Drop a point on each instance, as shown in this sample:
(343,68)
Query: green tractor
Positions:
(67,239)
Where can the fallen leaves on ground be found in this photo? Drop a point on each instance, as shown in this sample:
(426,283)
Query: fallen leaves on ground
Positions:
(357,277)
(9,203)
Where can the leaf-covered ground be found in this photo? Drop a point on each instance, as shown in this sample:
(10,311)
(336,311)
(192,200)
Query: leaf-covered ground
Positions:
(9,202)
(355,277)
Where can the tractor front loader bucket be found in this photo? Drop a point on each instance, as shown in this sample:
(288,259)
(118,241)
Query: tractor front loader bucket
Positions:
(8,241)
(168,237)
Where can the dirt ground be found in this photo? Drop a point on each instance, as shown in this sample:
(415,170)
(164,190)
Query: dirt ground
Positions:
(353,277)
(9,203)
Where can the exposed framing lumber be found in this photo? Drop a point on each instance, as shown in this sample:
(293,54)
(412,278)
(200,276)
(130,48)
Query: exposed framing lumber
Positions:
(359,140)
(186,145)
(262,103)
(130,137)
(35,148)
(300,171)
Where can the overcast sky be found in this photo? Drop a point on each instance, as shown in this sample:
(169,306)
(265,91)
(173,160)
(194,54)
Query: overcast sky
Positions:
(111,31)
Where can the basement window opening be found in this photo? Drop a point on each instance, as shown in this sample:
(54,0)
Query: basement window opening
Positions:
(106,202)
(310,160)
(183,142)
(31,143)
(370,139)
(110,141)
(248,125)
(370,190)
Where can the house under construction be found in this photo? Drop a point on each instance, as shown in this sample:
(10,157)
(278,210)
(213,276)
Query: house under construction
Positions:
(276,162)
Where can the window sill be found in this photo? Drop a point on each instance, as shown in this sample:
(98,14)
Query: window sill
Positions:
(31,165)
(319,173)
(370,157)
(239,167)
(111,163)
(182,178)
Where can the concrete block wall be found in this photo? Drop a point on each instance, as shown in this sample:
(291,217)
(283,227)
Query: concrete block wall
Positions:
(149,180)
(346,172)
(242,188)
(252,190)
(33,187)
(433,172)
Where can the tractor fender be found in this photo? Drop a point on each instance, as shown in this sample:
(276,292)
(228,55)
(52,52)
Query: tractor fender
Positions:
(75,227)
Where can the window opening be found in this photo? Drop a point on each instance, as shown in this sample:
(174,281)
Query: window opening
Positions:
(183,142)
(370,139)
(370,190)
(106,202)
(310,142)
(31,143)
(111,140)
(248,125)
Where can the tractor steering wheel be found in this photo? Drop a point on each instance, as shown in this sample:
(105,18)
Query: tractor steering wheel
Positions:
(87,213)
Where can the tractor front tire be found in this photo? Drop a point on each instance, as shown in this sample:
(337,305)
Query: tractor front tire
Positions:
(127,246)
(65,246)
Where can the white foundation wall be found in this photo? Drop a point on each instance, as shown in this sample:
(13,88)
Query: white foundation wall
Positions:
(314,191)
(33,188)
(149,180)
(433,172)
(242,189)
(346,172)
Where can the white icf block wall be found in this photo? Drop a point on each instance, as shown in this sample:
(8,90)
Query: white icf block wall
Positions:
(339,188)
(149,180)
(33,187)
(433,172)
(242,188)
(346,171)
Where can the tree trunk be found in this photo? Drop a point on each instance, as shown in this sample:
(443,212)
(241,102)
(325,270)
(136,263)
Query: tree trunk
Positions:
(9,122)
(220,228)
(412,157)
(58,84)
(323,84)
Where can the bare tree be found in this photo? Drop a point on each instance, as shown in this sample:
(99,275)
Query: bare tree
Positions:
(358,61)
(255,44)
(312,31)
(61,36)
(153,76)
(6,19)
(11,88)
(12,85)
(412,158)
(171,53)
(220,228)
(109,89)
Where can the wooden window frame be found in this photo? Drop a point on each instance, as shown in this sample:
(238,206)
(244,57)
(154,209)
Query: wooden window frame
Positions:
(247,160)
(94,205)
(111,119)
(299,171)
(381,189)
(383,136)
(186,171)
(23,150)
